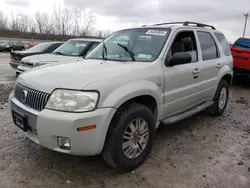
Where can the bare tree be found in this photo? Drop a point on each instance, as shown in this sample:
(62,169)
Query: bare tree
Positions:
(77,13)
(66,17)
(88,23)
(3,21)
(23,22)
(40,19)
(14,22)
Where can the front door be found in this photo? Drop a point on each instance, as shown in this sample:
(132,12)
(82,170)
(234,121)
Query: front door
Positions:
(182,82)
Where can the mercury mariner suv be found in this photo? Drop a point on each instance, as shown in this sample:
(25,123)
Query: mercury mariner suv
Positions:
(112,102)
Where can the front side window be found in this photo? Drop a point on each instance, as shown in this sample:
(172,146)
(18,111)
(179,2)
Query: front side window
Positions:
(224,43)
(184,42)
(72,48)
(208,46)
(141,44)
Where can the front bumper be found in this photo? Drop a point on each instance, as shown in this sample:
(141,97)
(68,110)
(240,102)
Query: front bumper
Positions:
(47,125)
(14,64)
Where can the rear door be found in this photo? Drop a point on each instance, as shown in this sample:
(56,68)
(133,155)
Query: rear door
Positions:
(212,62)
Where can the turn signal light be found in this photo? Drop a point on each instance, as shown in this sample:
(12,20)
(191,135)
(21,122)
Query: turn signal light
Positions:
(86,128)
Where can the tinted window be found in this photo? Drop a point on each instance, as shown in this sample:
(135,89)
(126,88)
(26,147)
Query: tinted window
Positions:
(94,44)
(224,44)
(55,46)
(208,46)
(39,47)
(184,42)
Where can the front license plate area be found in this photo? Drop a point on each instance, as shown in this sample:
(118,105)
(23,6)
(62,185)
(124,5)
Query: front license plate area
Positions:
(20,121)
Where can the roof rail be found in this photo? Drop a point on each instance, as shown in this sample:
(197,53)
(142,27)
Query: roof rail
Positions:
(186,23)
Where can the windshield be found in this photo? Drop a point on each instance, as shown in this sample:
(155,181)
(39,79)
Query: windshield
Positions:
(39,47)
(72,48)
(243,43)
(141,44)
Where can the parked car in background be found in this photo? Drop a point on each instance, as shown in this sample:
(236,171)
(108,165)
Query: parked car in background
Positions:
(30,45)
(11,46)
(241,57)
(71,51)
(113,102)
(42,48)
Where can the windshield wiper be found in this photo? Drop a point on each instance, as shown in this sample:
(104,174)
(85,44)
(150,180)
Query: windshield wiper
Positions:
(104,51)
(131,54)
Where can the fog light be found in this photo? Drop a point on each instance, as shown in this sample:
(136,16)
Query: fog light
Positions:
(63,143)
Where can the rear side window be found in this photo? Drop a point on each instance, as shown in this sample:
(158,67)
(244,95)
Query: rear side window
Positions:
(223,42)
(208,46)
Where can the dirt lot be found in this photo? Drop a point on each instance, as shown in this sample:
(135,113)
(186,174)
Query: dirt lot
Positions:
(200,152)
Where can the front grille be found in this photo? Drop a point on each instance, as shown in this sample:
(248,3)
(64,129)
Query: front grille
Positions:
(31,98)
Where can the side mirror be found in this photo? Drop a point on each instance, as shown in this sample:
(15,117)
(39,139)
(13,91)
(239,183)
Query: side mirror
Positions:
(180,58)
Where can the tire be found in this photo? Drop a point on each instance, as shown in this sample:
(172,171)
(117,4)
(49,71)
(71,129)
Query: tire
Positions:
(216,109)
(113,151)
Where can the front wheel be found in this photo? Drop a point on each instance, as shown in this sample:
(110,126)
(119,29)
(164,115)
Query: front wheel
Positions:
(220,99)
(130,137)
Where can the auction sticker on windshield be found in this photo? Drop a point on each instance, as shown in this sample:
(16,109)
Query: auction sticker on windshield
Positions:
(80,45)
(156,32)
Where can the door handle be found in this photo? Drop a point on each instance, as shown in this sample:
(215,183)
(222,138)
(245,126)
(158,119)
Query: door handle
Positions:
(219,65)
(196,71)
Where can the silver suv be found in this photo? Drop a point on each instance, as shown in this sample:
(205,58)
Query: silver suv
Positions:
(112,102)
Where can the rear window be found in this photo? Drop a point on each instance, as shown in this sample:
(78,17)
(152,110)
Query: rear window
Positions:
(243,43)
(223,42)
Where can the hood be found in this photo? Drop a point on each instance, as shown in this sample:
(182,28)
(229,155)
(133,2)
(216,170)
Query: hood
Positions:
(50,58)
(25,52)
(75,75)
(19,55)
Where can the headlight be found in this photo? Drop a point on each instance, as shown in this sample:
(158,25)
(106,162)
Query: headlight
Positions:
(72,101)
(39,64)
(7,46)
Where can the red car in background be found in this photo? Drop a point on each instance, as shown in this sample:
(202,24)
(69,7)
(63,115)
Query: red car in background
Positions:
(31,45)
(241,56)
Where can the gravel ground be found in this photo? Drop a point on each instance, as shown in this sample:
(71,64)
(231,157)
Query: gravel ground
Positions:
(200,152)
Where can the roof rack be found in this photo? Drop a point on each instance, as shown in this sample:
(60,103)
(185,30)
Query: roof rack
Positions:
(186,23)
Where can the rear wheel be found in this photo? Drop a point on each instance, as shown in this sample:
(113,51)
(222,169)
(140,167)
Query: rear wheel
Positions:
(220,99)
(130,137)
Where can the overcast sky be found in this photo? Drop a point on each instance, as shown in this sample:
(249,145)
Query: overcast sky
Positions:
(225,15)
